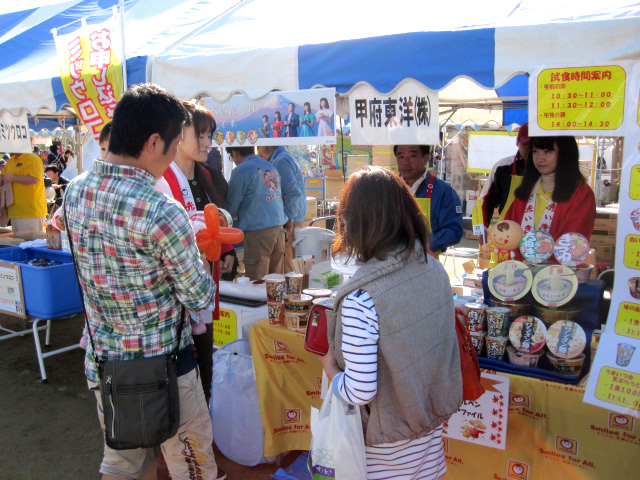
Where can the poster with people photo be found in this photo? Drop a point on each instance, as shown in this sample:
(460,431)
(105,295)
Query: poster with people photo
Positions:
(301,117)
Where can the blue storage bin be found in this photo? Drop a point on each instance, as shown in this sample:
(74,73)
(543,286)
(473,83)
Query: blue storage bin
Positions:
(49,292)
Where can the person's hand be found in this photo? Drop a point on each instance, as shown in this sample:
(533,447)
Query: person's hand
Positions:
(8,178)
(56,186)
(329,364)
(226,265)
(289,227)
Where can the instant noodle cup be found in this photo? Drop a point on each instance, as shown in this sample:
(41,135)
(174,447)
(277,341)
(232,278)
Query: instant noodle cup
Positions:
(634,287)
(527,334)
(517,309)
(635,219)
(571,249)
(475,316)
(555,285)
(498,322)
(537,246)
(566,339)
(566,366)
(583,272)
(550,315)
(523,359)
(276,312)
(297,303)
(510,280)
(292,283)
(296,321)
(477,339)
(275,286)
(624,352)
(496,346)
(317,292)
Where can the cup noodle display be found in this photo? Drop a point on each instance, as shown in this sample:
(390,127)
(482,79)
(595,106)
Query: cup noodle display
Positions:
(532,322)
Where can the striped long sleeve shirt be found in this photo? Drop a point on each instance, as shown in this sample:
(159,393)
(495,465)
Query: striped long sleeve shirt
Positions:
(422,458)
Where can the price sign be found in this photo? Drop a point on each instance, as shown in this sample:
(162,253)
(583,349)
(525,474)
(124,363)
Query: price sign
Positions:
(632,251)
(582,98)
(628,321)
(634,183)
(619,387)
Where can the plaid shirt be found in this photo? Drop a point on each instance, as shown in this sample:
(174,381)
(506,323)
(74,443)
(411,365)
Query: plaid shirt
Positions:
(137,262)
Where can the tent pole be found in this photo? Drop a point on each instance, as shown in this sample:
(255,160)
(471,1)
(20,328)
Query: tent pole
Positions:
(123,62)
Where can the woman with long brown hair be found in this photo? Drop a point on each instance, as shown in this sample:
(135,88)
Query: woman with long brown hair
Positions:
(393,349)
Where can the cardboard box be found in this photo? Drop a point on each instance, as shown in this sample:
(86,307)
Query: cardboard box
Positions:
(333,187)
(356,162)
(602,240)
(607,212)
(606,224)
(312,208)
(606,254)
(332,173)
(469,234)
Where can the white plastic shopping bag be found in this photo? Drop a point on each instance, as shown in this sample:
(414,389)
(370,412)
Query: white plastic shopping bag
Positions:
(337,443)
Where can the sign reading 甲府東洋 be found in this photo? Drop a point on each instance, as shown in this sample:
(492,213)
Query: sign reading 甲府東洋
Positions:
(408,115)
(91,72)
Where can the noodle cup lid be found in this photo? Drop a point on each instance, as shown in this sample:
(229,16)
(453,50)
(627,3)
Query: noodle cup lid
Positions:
(273,277)
(555,285)
(566,339)
(537,246)
(528,334)
(571,249)
(510,280)
(317,292)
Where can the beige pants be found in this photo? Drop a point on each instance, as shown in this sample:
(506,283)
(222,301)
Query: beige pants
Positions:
(263,252)
(188,453)
(26,226)
(289,251)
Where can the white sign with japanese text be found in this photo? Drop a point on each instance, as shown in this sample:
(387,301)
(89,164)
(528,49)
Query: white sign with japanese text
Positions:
(483,421)
(14,132)
(407,116)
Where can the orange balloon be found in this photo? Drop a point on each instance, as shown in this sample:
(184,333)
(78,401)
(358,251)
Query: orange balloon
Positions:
(209,239)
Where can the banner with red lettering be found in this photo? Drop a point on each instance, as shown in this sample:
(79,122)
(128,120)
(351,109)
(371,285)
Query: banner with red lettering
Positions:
(91,71)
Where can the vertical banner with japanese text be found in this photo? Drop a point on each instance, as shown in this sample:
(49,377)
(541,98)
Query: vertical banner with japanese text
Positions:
(602,99)
(91,72)
(408,115)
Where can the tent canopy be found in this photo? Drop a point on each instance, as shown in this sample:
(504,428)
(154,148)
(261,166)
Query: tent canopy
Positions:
(221,47)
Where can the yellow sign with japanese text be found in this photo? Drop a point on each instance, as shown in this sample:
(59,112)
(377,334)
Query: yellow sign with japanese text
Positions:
(581,98)
(634,183)
(632,251)
(225,329)
(91,73)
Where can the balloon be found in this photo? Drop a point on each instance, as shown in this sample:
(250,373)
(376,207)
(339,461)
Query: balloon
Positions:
(210,238)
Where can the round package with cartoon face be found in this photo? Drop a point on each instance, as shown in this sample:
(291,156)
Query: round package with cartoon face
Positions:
(510,280)
(527,334)
(537,246)
(555,285)
(571,249)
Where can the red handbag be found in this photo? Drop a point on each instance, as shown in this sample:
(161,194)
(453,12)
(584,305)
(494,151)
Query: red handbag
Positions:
(472,387)
(315,339)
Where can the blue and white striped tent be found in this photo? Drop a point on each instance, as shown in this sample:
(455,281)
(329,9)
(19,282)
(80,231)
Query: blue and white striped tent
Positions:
(220,47)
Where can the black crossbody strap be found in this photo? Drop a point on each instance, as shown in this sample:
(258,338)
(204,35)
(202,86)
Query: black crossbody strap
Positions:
(86,317)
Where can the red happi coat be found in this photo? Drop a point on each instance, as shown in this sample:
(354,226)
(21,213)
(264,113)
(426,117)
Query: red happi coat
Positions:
(576,215)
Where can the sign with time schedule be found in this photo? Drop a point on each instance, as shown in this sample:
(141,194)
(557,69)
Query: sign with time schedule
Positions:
(581,98)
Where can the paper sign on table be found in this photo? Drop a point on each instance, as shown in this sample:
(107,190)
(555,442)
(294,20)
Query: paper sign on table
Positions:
(483,421)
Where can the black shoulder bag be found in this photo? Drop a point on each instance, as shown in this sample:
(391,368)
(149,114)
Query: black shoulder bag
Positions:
(139,397)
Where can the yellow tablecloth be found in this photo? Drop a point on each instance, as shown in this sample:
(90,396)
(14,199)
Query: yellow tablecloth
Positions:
(551,433)
(289,380)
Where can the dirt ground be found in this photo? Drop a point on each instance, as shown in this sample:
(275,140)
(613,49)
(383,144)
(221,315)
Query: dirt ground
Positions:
(50,431)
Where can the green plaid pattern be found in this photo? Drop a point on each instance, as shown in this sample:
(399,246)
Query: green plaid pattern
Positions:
(137,260)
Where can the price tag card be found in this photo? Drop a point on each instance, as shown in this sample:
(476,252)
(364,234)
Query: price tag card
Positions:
(628,320)
(634,183)
(619,387)
(632,251)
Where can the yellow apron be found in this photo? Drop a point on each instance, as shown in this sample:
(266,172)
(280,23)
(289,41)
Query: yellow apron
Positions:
(516,180)
(425,208)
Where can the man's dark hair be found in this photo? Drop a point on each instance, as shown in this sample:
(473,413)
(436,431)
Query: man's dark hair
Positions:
(397,223)
(36,150)
(54,146)
(567,174)
(243,151)
(424,149)
(53,169)
(292,105)
(142,111)
(105,133)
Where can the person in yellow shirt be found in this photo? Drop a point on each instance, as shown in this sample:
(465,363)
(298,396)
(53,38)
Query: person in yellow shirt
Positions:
(25,173)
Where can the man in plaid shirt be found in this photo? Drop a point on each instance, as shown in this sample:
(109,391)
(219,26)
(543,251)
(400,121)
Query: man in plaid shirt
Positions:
(138,264)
